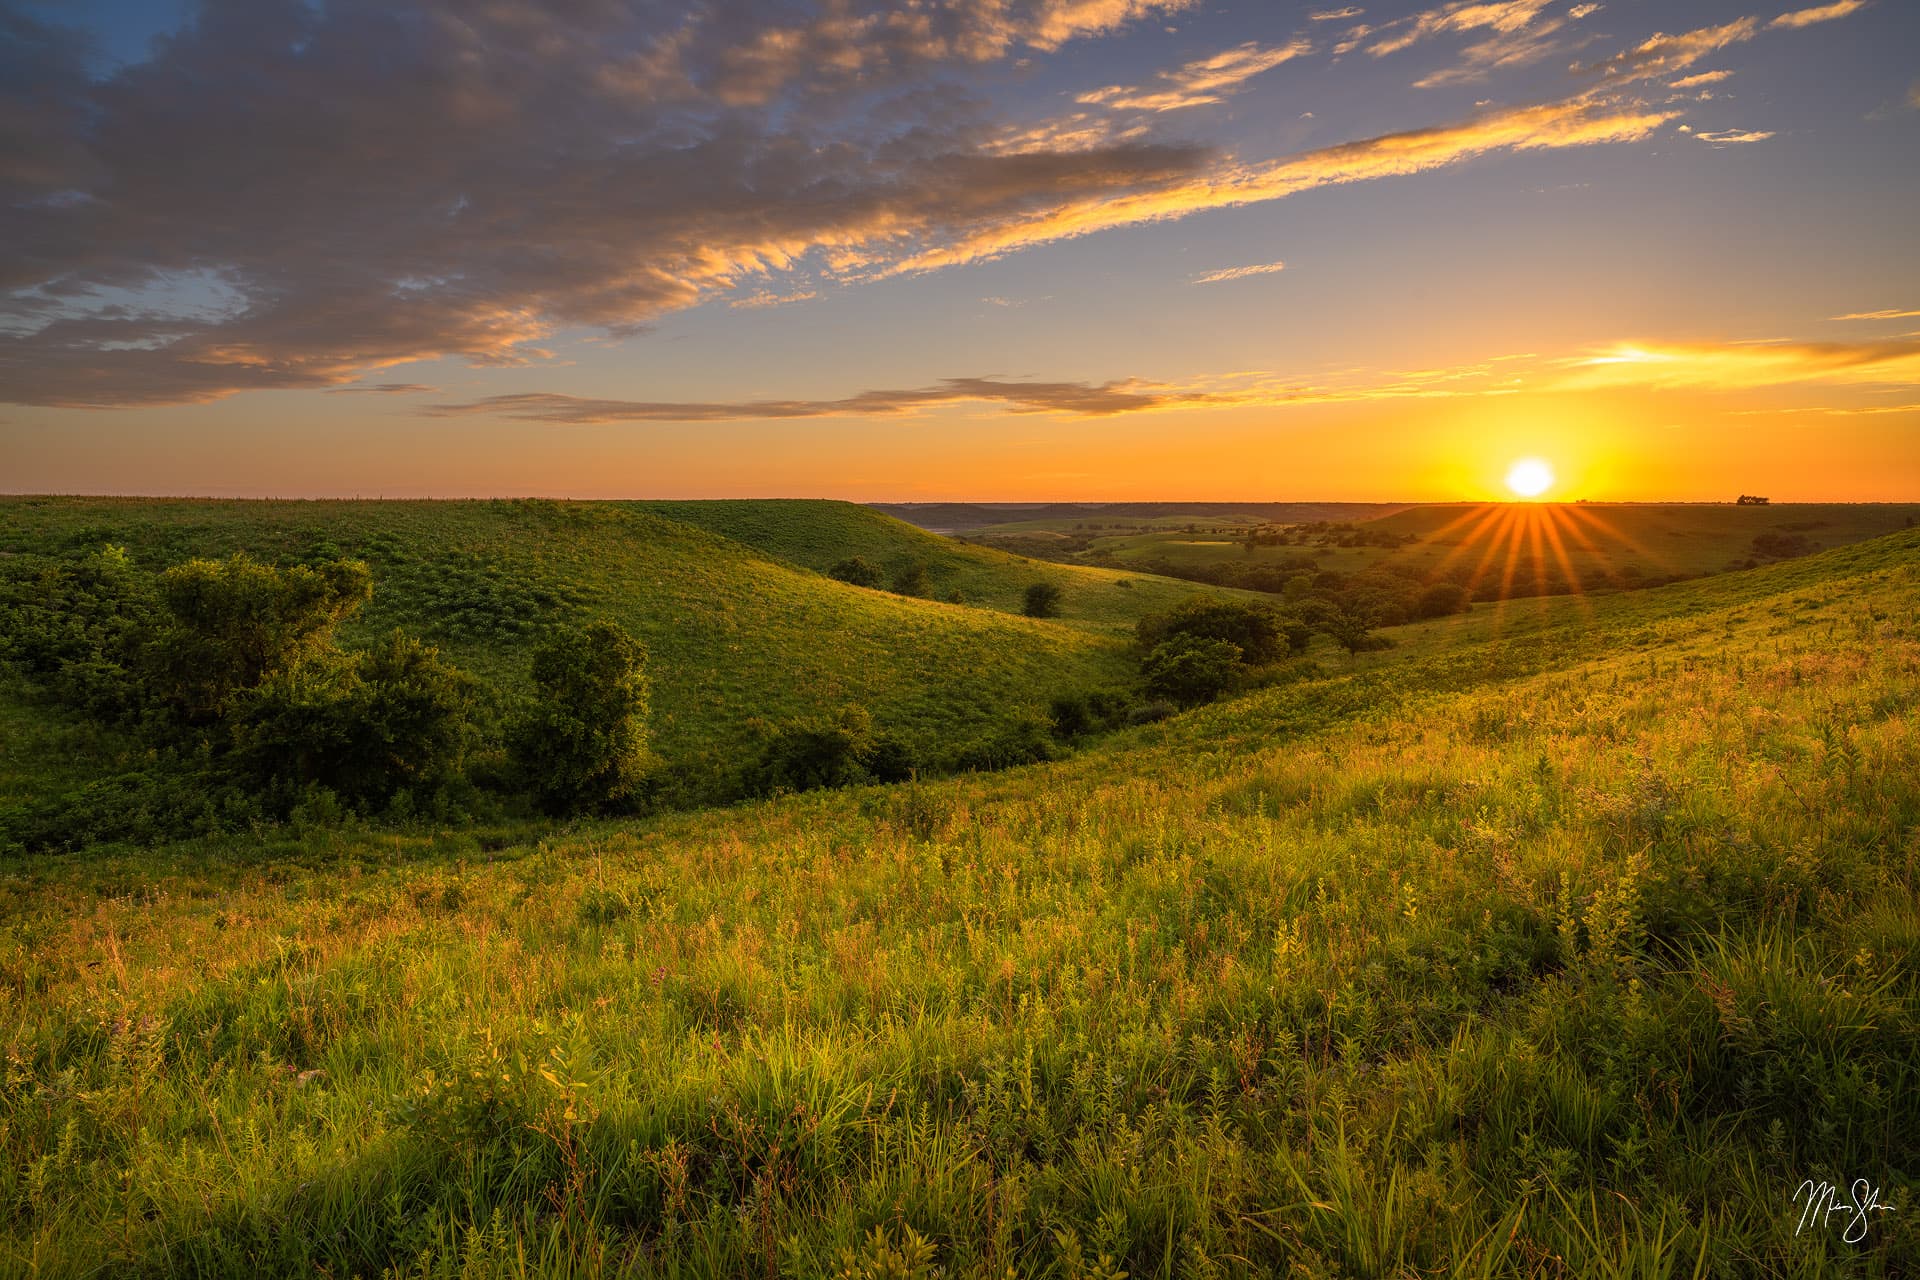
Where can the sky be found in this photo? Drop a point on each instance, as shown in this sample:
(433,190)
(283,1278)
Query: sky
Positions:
(990,250)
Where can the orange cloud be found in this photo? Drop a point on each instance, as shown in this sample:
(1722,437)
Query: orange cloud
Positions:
(1198,83)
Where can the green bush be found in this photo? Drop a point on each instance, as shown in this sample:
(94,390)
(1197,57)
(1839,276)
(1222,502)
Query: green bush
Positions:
(1260,632)
(1190,670)
(1043,600)
(363,725)
(230,623)
(912,580)
(1442,599)
(1026,740)
(858,571)
(838,750)
(583,745)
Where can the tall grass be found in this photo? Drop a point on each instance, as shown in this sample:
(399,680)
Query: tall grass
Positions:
(1567,946)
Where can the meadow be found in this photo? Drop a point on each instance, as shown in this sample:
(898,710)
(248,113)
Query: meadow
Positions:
(1565,937)
(1596,546)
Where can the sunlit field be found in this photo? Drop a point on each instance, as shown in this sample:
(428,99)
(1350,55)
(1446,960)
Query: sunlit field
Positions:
(1566,937)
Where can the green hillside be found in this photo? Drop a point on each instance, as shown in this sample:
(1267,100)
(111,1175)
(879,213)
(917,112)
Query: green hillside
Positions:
(1599,546)
(736,631)
(818,534)
(1564,939)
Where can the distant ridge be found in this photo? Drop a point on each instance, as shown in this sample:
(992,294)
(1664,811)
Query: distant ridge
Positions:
(947,517)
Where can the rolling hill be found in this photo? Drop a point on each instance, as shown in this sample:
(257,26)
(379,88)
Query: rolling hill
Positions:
(1565,938)
(739,625)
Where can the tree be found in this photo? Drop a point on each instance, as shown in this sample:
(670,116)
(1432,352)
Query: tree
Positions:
(1441,599)
(364,725)
(1751,500)
(1258,631)
(1351,631)
(583,745)
(231,623)
(911,580)
(858,571)
(838,750)
(1189,669)
(1043,600)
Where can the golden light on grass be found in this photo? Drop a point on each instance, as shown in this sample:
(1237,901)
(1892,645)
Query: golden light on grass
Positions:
(1530,477)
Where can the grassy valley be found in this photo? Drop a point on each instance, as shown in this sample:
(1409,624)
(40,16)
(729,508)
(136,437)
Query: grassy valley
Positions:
(1497,549)
(1564,937)
(738,623)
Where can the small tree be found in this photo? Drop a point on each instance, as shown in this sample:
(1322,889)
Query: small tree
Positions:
(1043,600)
(1190,670)
(1257,631)
(364,725)
(911,580)
(1441,599)
(583,746)
(230,623)
(859,571)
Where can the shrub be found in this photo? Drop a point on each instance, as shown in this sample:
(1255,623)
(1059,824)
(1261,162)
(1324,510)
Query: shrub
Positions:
(364,726)
(858,571)
(1075,714)
(1043,600)
(911,580)
(1781,546)
(1189,670)
(231,623)
(1258,631)
(1442,599)
(1026,740)
(828,751)
(583,744)
(78,630)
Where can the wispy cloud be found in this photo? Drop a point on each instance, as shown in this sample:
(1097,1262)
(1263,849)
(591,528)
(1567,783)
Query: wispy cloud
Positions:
(385,389)
(1503,16)
(1079,399)
(1878,315)
(1203,81)
(760,299)
(1820,13)
(1576,122)
(1829,411)
(1336,15)
(1239,273)
(1702,80)
(1731,137)
(1730,366)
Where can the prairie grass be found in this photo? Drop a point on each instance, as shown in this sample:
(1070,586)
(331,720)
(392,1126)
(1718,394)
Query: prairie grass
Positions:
(1562,940)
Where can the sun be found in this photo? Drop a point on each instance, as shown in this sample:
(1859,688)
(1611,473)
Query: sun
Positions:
(1530,477)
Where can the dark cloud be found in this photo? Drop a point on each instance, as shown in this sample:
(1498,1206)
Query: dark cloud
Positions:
(378,181)
(1080,399)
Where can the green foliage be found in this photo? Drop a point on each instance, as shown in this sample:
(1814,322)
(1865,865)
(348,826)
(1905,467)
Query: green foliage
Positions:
(1024,739)
(1189,670)
(79,628)
(229,623)
(911,579)
(583,744)
(364,725)
(1260,632)
(1442,599)
(840,750)
(857,571)
(1043,600)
